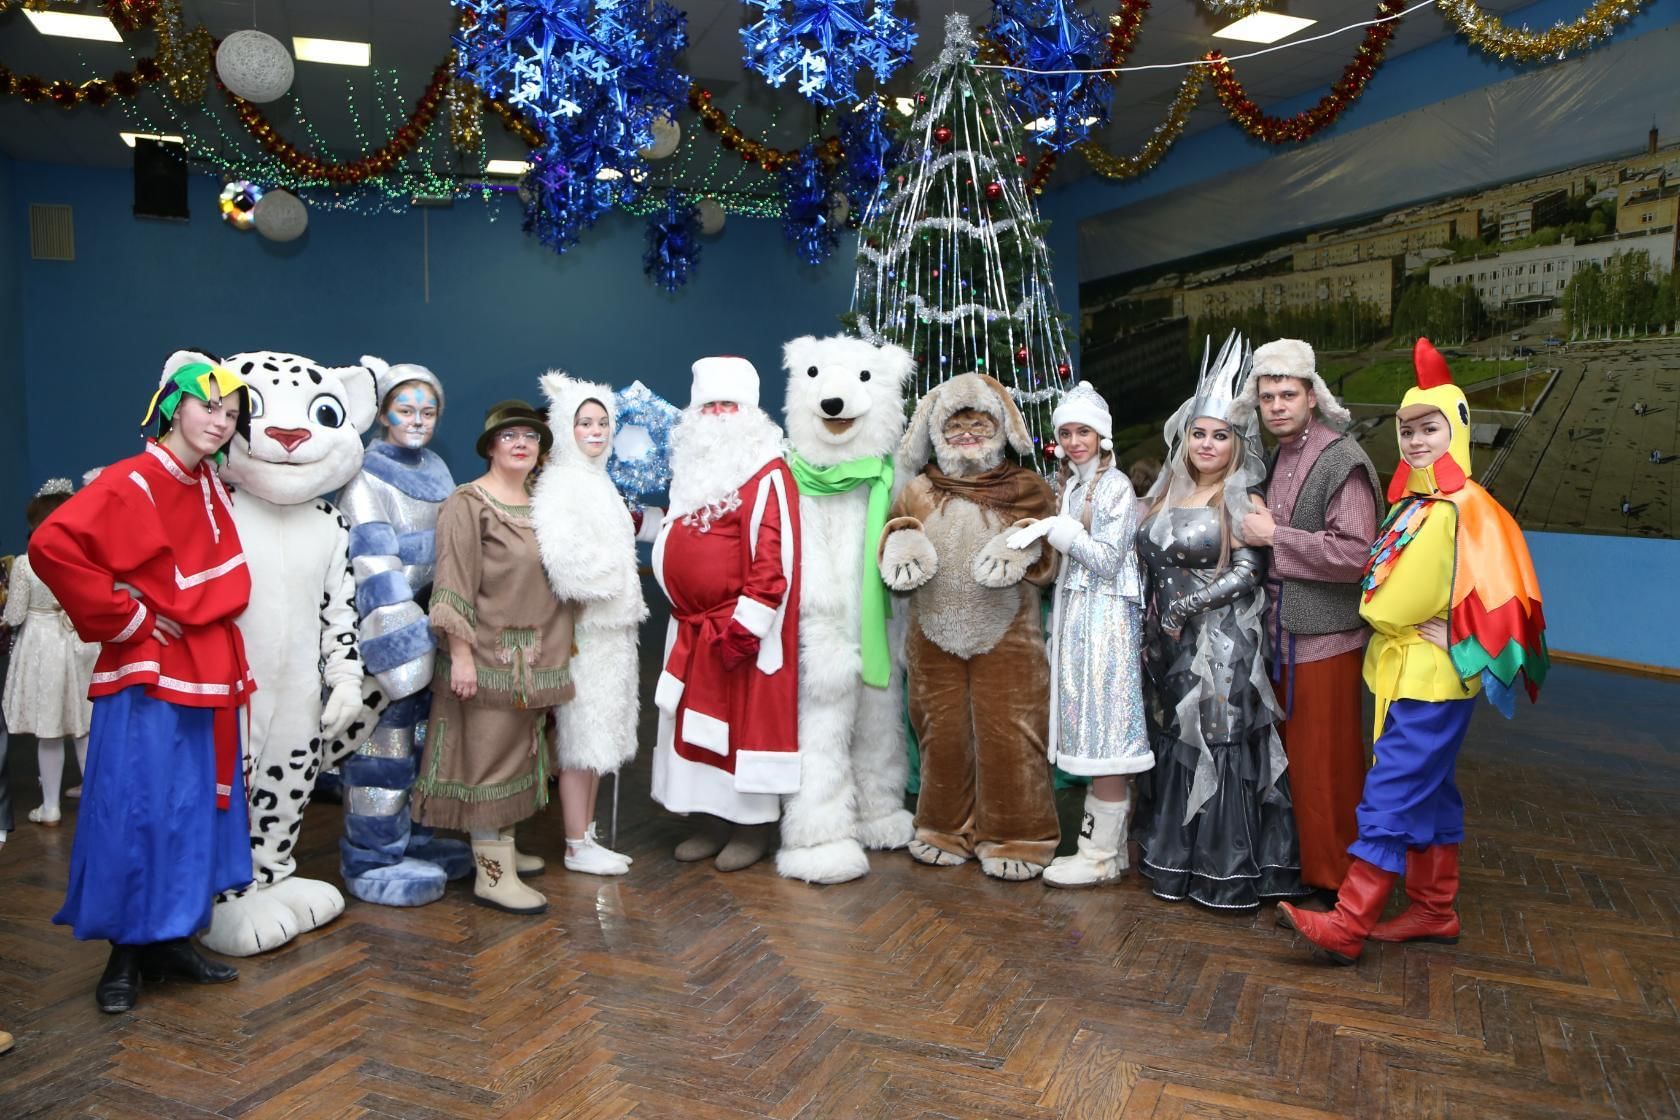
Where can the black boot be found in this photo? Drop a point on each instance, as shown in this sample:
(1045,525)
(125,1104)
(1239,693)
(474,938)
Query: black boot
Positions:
(119,987)
(181,960)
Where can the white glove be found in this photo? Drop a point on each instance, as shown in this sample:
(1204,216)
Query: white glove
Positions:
(1021,538)
(343,702)
(1064,530)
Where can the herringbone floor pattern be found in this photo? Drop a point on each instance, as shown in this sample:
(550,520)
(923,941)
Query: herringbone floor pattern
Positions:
(681,992)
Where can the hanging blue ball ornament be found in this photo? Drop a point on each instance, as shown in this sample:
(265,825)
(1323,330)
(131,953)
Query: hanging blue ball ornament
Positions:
(673,237)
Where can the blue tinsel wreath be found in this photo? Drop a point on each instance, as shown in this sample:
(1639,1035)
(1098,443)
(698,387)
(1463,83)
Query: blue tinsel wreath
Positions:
(828,42)
(641,455)
(1055,35)
(673,237)
(806,222)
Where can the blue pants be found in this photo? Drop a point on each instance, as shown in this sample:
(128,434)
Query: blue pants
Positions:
(1410,800)
(152,850)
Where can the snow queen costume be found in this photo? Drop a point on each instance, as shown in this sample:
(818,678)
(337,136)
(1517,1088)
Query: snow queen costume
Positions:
(1220,830)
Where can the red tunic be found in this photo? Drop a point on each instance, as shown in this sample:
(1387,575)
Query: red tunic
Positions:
(729,739)
(148,536)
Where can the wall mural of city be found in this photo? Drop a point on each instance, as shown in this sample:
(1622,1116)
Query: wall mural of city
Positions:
(1553,295)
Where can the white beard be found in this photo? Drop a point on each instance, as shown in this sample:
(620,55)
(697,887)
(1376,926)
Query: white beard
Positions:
(713,456)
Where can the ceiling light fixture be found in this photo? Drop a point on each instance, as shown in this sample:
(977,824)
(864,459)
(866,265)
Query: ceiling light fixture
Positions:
(70,26)
(1263,27)
(130,137)
(1045,124)
(514,167)
(334,52)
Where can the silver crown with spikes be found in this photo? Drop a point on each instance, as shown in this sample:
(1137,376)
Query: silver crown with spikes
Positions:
(1223,379)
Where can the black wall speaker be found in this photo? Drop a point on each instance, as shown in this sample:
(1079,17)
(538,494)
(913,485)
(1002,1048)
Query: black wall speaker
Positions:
(160,180)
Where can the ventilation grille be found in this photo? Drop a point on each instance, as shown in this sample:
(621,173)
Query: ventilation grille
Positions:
(52,233)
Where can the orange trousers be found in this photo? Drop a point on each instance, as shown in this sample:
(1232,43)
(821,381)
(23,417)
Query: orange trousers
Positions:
(1324,738)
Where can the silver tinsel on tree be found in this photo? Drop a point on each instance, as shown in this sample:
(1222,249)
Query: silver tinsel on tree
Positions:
(952,264)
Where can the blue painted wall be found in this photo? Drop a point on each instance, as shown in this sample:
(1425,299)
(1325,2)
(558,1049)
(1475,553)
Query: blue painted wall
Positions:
(1610,596)
(15,484)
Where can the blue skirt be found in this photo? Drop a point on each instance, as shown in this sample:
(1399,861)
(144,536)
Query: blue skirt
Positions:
(152,850)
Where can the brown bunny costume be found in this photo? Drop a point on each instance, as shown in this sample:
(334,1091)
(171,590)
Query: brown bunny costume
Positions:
(978,673)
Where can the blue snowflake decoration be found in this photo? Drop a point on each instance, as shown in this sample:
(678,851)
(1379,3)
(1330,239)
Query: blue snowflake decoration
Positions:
(673,236)
(866,136)
(1055,35)
(827,43)
(641,452)
(563,198)
(807,221)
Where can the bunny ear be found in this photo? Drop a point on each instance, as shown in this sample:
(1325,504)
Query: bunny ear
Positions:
(1014,424)
(917,447)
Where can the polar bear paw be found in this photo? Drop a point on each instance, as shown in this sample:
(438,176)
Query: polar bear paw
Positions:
(895,830)
(253,923)
(837,861)
(312,902)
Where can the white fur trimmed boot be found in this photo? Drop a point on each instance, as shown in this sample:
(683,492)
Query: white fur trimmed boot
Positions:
(1101,857)
(497,883)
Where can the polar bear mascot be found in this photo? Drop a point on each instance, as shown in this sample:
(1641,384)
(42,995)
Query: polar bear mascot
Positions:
(300,628)
(845,418)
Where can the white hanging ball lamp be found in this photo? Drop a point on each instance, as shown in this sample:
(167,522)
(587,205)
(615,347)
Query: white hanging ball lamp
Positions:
(667,133)
(254,65)
(280,216)
(711,216)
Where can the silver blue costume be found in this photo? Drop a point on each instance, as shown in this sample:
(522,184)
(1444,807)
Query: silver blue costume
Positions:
(1097,723)
(392,506)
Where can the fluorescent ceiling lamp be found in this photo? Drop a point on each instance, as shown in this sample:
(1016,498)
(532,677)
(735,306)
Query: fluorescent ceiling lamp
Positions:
(607,174)
(1045,124)
(1263,27)
(337,52)
(72,26)
(130,137)
(906,106)
(506,167)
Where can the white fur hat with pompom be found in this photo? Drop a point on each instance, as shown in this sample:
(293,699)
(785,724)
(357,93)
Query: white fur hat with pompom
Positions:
(1084,405)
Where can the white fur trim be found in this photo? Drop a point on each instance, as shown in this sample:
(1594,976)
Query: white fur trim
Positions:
(725,378)
(1083,405)
(767,772)
(757,617)
(667,694)
(1289,357)
(653,519)
(770,644)
(706,732)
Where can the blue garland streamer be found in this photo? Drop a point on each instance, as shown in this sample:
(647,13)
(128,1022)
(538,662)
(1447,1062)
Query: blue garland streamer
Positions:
(648,471)
(866,136)
(1055,35)
(807,222)
(828,43)
(673,236)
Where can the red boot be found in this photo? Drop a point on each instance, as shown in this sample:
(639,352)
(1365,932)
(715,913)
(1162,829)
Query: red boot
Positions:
(1432,885)
(1341,933)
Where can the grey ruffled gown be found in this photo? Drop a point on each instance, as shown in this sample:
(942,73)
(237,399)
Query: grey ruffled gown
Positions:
(1217,823)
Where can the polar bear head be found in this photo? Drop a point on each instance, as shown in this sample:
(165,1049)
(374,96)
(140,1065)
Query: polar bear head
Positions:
(307,422)
(845,398)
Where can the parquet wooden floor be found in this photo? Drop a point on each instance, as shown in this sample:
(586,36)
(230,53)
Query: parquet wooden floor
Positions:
(678,991)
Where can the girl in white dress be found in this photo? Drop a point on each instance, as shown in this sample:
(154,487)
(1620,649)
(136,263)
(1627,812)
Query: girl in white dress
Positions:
(47,682)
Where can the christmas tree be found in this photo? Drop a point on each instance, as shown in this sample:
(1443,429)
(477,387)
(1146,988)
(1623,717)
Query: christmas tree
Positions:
(952,264)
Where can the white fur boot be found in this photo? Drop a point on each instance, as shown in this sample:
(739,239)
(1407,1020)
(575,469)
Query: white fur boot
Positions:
(1101,857)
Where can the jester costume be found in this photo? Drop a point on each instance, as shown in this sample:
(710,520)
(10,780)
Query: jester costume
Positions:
(1446,551)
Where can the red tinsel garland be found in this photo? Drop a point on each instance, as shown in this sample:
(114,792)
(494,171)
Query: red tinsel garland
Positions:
(1126,23)
(379,162)
(1308,123)
(94,91)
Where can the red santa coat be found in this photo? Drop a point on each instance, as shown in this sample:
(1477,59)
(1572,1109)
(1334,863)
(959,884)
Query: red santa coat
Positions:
(728,740)
(150,537)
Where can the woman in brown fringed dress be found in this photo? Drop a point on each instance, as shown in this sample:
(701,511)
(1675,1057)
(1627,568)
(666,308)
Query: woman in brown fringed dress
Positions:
(503,662)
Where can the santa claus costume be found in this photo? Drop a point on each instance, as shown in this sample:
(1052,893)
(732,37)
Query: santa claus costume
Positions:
(727,558)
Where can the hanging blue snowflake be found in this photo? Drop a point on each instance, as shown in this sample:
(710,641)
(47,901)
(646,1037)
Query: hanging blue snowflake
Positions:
(641,452)
(871,149)
(827,43)
(808,221)
(559,58)
(563,198)
(673,237)
(1055,35)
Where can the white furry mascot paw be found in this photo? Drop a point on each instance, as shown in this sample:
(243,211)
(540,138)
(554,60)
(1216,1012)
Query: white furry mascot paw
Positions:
(845,418)
(300,627)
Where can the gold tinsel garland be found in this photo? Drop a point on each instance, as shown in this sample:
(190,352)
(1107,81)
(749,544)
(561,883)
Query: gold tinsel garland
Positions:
(1488,33)
(466,115)
(1164,136)
(184,55)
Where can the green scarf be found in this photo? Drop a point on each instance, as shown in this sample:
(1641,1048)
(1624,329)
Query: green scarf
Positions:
(877,471)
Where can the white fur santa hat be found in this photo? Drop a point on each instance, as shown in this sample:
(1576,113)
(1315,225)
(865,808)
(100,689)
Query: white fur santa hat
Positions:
(1084,405)
(1289,357)
(724,378)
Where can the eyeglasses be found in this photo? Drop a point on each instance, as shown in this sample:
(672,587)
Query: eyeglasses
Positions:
(517,435)
(979,425)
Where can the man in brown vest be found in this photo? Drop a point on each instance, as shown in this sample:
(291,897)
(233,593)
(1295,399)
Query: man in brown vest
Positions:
(1322,500)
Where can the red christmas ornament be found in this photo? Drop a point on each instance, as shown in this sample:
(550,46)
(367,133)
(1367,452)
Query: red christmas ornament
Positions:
(1021,354)
(942,134)
(1062,368)
(1021,160)
(994,191)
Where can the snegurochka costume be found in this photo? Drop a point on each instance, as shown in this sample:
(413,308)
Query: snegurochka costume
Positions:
(1447,551)
(1220,829)
(392,507)
(162,826)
